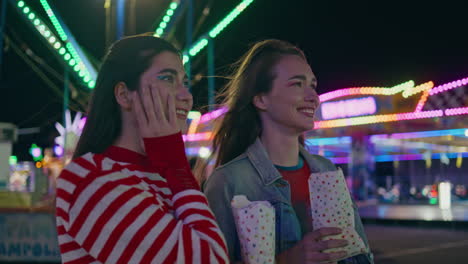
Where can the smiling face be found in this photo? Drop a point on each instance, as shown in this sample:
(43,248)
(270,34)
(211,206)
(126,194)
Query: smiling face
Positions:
(292,101)
(167,70)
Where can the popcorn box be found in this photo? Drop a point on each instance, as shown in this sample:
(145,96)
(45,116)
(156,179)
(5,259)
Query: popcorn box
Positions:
(332,207)
(255,223)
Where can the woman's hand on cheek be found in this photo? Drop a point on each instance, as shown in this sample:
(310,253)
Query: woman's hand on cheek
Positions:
(155,111)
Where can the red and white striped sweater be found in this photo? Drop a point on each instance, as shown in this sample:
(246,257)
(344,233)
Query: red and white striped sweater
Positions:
(123,207)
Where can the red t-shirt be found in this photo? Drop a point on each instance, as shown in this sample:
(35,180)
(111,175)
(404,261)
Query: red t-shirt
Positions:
(297,177)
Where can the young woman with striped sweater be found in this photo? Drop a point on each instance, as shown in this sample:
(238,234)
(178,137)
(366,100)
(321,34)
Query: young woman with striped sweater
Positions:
(129,195)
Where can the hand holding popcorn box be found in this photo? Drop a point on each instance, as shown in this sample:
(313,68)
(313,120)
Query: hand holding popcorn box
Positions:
(255,223)
(332,207)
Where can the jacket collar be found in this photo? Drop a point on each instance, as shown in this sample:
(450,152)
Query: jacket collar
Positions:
(262,163)
(315,162)
(266,169)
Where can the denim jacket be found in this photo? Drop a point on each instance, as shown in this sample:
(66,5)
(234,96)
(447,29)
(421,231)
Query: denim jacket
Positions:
(253,174)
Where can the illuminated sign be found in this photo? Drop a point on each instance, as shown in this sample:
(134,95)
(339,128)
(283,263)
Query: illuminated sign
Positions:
(348,108)
(364,112)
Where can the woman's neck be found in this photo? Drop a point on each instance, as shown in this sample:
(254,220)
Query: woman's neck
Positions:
(130,139)
(282,148)
(123,142)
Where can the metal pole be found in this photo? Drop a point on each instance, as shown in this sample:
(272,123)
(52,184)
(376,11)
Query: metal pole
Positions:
(120,30)
(108,8)
(2,32)
(211,73)
(66,97)
(131,25)
(188,36)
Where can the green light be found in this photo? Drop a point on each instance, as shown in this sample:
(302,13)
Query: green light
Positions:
(36,152)
(91,84)
(36,22)
(73,52)
(193,114)
(13,160)
(54,20)
(198,46)
(68,51)
(42,28)
(165,20)
(433,200)
(31,16)
(26,10)
(229,18)
(185,58)
(20,4)
(86,79)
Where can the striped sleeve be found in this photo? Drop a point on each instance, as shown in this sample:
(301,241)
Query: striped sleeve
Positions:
(167,156)
(116,220)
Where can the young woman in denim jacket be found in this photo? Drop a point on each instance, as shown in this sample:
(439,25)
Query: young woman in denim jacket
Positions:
(272,100)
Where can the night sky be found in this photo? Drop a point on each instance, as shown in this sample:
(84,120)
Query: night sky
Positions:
(348,44)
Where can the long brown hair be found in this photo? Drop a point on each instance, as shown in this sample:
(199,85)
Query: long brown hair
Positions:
(125,61)
(253,75)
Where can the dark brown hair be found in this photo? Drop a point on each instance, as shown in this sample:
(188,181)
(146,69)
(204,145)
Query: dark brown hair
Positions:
(125,62)
(253,75)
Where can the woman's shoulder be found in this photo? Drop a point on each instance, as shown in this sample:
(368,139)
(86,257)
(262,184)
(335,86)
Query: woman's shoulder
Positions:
(319,161)
(84,167)
(239,162)
(84,163)
(96,170)
(75,174)
(231,170)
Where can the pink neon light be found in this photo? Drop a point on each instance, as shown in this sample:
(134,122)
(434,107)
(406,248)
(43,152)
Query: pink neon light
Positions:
(440,89)
(347,108)
(212,115)
(449,86)
(418,114)
(36,152)
(422,101)
(456,111)
(365,90)
(82,123)
(197,137)
(58,150)
(340,160)
(354,121)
